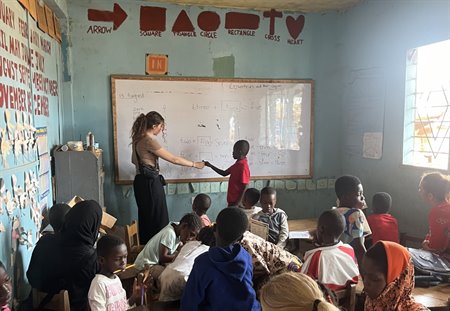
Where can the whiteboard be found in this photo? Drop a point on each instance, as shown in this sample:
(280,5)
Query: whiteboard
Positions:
(204,117)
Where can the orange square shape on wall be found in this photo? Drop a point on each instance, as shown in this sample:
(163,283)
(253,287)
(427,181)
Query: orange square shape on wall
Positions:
(156,64)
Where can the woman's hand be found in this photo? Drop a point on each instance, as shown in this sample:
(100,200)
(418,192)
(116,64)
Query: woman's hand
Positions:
(199,165)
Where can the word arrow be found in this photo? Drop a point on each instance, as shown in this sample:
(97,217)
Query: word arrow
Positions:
(117,16)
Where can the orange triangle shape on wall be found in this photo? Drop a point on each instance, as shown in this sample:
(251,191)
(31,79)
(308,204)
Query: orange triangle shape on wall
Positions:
(183,23)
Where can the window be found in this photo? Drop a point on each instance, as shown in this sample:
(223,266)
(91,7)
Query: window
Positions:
(427,106)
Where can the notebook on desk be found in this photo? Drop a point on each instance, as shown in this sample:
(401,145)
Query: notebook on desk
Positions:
(304,235)
(259,228)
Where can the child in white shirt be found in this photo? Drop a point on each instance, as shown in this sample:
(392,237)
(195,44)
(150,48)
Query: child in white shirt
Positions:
(106,291)
(173,279)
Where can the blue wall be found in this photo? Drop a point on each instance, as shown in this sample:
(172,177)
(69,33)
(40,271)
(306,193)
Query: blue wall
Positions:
(96,57)
(374,39)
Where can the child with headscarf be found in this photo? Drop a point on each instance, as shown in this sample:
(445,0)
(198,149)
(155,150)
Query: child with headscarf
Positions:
(388,275)
(79,234)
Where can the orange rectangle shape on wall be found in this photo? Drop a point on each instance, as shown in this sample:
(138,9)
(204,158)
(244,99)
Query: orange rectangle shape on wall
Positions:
(156,64)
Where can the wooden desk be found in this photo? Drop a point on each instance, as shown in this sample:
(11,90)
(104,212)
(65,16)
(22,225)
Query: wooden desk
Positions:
(434,297)
(299,244)
(309,224)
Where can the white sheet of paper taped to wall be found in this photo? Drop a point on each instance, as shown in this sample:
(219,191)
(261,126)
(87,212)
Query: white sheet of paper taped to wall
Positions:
(205,187)
(310,185)
(182,188)
(301,184)
(373,145)
(291,185)
(215,187)
(322,183)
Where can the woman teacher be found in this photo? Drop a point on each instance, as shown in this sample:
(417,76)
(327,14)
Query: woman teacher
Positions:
(148,184)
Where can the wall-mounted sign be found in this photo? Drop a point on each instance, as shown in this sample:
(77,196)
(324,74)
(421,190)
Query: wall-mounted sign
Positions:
(156,64)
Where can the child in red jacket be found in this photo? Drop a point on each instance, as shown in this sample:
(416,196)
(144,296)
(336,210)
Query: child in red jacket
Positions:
(383,225)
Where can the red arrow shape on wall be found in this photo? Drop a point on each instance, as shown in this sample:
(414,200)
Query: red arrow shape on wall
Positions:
(117,16)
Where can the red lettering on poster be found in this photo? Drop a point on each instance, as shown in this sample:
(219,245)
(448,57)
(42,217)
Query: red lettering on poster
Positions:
(41,103)
(12,97)
(295,25)
(6,15)
(35,38)
(152,19)
(23,28)
(272,14)
(208,21)
(183,23)
(14,46)
(8,68)
(236,20)
(3,41)
(117,16)
(46,46)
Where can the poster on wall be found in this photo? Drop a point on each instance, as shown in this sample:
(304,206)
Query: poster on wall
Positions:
(16,107)
(44,72)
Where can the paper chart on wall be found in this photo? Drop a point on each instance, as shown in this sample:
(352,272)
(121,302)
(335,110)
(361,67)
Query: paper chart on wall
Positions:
(373,145)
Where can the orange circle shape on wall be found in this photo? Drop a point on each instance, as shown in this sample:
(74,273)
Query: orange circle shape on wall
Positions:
(208,21)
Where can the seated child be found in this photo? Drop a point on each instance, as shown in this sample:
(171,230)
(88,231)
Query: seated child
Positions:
(5,289)
(201,204)
(106,291)
(349,191)
(383,225)
(294,291)
(434,189)
(56,216)
(267,258)
(333,263)
(221,278)
(276,218)
(173,279)
(163,248)
(388,276)
(250,198)
(239,173)
(41,272)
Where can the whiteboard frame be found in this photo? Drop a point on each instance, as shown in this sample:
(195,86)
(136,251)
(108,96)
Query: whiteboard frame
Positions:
(206,79)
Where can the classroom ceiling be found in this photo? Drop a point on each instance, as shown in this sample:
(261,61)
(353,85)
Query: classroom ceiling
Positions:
(306,6)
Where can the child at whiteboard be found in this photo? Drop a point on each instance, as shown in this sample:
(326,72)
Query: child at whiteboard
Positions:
(239,173)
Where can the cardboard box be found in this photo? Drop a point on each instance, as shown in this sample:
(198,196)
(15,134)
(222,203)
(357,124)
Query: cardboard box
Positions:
(108,220)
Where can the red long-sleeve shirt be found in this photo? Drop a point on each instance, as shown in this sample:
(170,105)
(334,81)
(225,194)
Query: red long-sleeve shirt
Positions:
(439,228)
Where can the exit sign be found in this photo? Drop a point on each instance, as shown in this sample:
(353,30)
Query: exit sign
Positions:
(156,64)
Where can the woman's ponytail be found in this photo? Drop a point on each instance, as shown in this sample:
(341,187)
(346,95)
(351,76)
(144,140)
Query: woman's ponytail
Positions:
(139,128)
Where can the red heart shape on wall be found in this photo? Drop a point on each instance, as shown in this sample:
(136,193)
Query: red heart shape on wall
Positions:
(295,25)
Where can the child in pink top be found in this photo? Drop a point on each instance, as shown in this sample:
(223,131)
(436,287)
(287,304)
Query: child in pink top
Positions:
(200,206)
